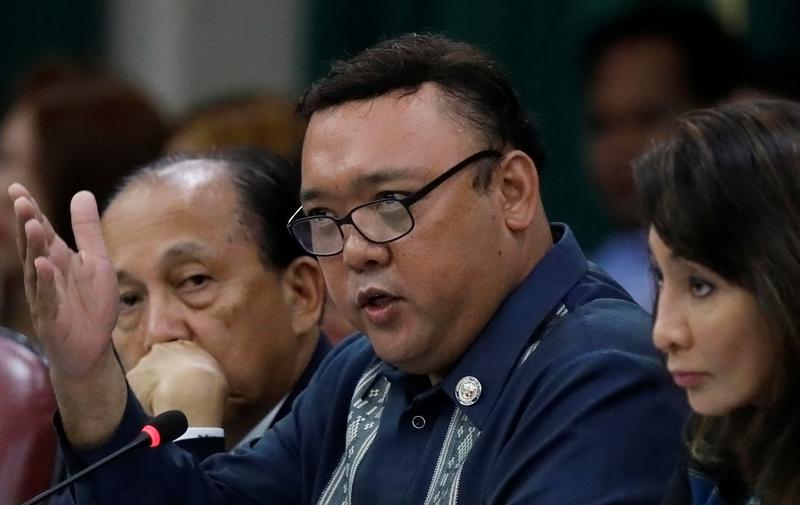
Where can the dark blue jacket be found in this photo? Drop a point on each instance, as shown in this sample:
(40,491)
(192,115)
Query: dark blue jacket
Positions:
(202,448)
(561,399)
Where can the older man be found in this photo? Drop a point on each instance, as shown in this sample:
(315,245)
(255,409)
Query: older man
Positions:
(498,365)
(218,305)
(219,308)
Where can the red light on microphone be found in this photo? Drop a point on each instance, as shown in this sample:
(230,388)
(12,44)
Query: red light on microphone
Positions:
(155,436)
(167,425)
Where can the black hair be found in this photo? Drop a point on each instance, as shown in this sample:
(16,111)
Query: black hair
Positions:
(724,192)
(475,87)
(716,62)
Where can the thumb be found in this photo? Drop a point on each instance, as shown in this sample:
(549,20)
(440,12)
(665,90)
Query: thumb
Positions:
(86,224)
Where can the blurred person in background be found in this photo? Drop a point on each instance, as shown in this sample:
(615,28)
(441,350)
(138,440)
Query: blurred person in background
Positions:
(66,130)
(722,201)
(264,120)
(641,69)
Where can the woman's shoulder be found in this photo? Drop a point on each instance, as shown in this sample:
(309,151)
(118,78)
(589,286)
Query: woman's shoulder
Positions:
(678,491)
(695,483)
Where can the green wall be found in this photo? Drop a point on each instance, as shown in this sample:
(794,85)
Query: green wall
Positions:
(45,29)
(536,41)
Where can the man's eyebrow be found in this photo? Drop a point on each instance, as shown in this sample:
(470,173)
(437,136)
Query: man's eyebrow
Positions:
(124,276)
(177,252)
(307,194)
(363,182)
(183,249)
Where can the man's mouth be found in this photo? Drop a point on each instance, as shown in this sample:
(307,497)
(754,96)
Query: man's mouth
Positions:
(374,297)
(376,304)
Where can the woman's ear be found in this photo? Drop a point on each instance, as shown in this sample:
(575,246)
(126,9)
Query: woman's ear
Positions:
(304,287)
(518,181)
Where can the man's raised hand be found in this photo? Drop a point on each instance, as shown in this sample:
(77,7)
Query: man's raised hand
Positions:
(73,299)
(72,295)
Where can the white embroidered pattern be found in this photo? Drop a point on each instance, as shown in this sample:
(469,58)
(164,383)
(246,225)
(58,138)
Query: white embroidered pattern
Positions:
(461,436)
(363,421)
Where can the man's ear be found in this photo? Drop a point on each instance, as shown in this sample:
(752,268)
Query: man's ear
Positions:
(518,182)
(304,287)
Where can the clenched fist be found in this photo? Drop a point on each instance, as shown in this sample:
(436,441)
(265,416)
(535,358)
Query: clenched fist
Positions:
(181,375)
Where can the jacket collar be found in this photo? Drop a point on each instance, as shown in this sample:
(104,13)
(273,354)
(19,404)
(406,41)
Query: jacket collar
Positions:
(508,332)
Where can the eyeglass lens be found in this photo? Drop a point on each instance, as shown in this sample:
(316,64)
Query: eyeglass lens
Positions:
(380,221)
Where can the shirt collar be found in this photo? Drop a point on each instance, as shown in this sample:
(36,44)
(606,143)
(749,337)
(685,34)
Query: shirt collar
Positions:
(262,426)
(507,334)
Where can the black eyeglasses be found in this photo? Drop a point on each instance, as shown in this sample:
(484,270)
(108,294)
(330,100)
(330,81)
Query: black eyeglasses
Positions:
(379,221)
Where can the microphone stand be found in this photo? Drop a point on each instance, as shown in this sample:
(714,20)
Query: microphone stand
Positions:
(170,424)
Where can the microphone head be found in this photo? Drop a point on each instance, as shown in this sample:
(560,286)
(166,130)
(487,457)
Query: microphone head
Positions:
(167,426)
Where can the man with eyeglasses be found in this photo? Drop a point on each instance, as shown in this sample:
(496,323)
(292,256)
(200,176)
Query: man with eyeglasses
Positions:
(496,364)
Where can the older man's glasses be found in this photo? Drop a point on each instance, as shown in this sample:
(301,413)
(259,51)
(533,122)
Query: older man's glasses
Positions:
(379,221)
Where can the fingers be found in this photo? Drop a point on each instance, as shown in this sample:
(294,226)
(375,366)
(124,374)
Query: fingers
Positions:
(33,245)
(86,224)
(34,237)
(30,206)
(17,190)
(26,210)
(32,231)
(23,211)
(85,220)
(179,352)
(179,345)
(143,383)
(46,296)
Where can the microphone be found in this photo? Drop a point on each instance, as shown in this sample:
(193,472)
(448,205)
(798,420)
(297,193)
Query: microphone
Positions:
(166,426)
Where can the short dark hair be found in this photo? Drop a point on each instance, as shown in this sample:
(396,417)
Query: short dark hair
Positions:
(475,86)
(268,188)
(724,192)
(715,61)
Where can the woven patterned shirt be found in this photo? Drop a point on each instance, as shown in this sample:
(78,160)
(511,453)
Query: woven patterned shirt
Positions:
(561,399)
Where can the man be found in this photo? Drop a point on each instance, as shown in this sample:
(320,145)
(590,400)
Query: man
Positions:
(499,366)
(219,307)
(263,120)
(642,69)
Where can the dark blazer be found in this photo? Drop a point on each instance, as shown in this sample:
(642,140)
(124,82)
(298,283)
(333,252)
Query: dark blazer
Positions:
(719,485)
(678,491)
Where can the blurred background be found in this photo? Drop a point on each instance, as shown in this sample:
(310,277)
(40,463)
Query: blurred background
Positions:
(186,53)
(92,89)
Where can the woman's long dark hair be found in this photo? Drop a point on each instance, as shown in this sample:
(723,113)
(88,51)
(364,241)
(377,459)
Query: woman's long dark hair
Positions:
(91,129)
(725,192)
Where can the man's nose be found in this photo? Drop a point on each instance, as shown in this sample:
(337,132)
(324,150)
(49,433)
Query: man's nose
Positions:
(166,321)
(671,330)
(361,254)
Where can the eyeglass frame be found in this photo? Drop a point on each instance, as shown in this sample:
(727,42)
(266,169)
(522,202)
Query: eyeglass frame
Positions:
(406,202)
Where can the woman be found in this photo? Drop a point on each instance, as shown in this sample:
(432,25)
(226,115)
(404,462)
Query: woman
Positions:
(66,130)
(722,199)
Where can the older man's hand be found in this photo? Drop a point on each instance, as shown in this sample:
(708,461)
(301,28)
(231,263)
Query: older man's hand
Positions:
(181,375)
